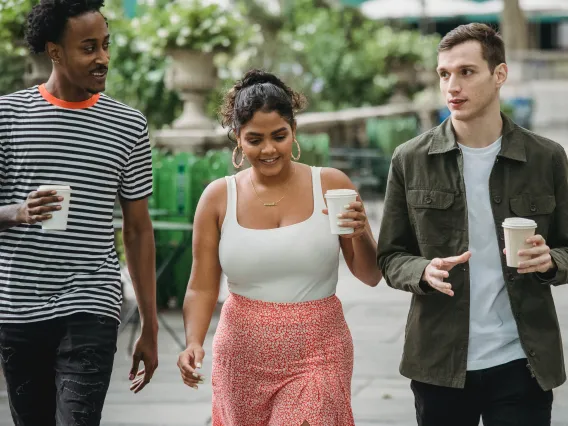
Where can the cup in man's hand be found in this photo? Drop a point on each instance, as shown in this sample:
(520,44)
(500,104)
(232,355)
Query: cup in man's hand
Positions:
(517,231)
(58,221)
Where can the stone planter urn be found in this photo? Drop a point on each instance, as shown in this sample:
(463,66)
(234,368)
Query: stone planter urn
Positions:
(192,74)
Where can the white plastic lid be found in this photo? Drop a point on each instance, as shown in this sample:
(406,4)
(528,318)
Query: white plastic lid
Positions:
(518,222)
(54,188)
(332,193)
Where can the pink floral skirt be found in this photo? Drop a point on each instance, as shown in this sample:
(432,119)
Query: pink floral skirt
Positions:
(280,364)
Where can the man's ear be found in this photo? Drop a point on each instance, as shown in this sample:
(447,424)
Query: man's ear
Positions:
(501,72)
(53,51)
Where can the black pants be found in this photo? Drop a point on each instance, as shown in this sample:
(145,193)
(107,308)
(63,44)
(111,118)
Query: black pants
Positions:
(505,395)
(58,371)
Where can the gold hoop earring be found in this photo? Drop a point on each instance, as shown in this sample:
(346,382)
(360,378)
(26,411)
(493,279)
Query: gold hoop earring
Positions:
(297,157)
(235,153)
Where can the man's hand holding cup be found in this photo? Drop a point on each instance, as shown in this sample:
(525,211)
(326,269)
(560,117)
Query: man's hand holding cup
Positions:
(438,270)
(38,207)
(535,258)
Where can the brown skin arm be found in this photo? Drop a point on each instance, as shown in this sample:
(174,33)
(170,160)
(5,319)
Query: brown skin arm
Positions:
(360,248)
(31,211)
(203,287)
(138,237)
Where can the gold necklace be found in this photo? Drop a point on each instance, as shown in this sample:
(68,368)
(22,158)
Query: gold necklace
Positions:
(273,203)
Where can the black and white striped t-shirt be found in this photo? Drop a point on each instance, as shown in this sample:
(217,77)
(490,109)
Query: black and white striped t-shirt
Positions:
(100,148)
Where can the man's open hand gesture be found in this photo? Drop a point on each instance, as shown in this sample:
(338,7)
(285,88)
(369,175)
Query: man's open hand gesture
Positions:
(438,270)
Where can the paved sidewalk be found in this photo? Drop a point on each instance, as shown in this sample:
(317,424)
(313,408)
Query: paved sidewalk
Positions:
(381,397)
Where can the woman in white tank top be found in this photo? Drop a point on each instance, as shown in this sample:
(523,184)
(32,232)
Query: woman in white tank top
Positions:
(282,352)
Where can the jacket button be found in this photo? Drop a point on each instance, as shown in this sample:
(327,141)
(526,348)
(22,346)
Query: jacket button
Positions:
(533,208)
(497,199)
(502,238)
(511,276)
(428,200)
(532,353)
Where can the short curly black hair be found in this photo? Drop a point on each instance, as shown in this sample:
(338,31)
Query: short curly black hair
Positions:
(47,20)
(258,90)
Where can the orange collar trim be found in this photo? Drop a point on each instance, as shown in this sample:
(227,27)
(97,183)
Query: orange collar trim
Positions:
(65,104)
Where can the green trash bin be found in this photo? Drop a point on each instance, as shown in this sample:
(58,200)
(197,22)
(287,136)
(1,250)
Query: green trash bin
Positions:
(321,150)
(199,179)
(220,163)
(307,147)
(388,133)
(174,195)
(156,159)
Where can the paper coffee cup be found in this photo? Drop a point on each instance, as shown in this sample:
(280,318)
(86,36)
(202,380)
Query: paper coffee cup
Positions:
(58,221)
(517,231)
(337,199)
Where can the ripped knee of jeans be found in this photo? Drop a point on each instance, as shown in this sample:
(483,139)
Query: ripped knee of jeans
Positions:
(89,360)
(82,389)
(84,399)
(21,390)
(6,352)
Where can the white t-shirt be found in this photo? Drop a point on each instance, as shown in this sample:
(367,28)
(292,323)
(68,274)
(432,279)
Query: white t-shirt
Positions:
(493,335)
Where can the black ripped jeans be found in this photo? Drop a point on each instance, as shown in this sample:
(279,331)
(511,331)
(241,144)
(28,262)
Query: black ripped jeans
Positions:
(58,371)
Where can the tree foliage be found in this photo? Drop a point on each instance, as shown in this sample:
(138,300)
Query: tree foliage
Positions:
(336,56)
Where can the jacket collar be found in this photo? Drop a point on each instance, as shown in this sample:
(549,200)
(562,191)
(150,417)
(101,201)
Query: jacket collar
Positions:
(444,140)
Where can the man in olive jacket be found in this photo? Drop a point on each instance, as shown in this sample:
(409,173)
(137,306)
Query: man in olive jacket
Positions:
(482,339)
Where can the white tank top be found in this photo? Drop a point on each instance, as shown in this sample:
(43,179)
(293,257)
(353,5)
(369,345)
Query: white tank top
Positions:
(294,263)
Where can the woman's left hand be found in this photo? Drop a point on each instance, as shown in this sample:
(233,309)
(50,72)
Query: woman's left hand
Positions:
(357,219)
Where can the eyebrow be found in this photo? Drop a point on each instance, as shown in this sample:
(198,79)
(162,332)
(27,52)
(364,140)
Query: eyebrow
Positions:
(273,133)
(461,67)
(94,40)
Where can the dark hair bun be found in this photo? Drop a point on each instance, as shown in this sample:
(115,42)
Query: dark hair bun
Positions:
(255,76)
(259,90)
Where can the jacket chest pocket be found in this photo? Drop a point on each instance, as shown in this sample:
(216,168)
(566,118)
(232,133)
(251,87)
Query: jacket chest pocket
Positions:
(432,214)
(538,208)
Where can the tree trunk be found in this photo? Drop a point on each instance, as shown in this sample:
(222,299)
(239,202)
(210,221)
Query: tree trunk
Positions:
(514,27)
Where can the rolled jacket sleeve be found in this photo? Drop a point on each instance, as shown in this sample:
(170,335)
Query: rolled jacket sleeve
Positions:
(558,234)
(398,252)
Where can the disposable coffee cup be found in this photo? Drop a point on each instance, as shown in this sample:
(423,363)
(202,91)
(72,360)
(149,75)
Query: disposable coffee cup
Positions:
(517,231)
(337,199)
(58,221)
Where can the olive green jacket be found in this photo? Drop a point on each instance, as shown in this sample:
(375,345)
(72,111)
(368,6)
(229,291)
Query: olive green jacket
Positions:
(425,216)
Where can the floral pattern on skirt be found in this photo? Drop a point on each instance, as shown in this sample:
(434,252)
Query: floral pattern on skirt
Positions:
(280,364)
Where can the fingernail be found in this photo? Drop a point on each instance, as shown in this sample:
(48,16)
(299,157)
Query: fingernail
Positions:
(131,377)
(339,215)
(198,365)
(339,223)
(346,206)
(60,198)
(58,207)
(196,375)
(53,192)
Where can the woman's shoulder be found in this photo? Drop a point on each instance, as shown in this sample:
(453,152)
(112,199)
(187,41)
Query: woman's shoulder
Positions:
(335,179)
(216,189)
(214,197)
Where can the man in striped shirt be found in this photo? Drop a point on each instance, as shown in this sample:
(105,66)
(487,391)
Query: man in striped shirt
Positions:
(60,293)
